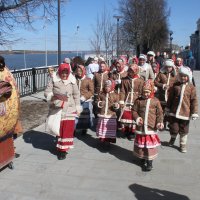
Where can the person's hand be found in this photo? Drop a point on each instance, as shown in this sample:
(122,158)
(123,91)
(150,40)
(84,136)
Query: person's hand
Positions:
(118,81)
(139,121)
(116,106)
(160,126)
(194,116)
(165,87)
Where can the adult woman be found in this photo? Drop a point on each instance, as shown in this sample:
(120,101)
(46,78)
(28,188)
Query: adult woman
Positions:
(64,97)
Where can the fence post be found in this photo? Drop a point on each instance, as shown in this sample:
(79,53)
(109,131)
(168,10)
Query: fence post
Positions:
(34,80)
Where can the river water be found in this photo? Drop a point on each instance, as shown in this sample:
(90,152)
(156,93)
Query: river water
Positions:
(22,61)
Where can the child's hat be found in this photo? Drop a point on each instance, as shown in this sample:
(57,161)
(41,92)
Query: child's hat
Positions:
(186,71)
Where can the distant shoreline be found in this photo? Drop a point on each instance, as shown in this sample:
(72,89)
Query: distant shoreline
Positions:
(38,52)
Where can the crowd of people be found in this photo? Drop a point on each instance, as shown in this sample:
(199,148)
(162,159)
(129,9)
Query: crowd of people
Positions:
(136,97)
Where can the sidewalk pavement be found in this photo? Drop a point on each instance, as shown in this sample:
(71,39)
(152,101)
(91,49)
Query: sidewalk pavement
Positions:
(90,173)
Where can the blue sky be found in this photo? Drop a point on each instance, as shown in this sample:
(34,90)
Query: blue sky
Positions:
(182,21)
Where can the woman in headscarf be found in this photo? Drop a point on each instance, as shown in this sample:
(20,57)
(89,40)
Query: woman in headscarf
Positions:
(86,88)
(64,97)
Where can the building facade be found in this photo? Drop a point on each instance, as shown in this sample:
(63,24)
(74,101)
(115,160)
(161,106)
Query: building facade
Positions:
(195,45)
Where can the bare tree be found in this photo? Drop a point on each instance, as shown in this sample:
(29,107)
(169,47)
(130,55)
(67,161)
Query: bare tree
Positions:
(145,22)
(103,33)
(15,13)
(96,41)
(108,30)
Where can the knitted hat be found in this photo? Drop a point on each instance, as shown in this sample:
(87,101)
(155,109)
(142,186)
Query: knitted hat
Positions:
(169,63)
(151,53)
(142,56)
(186,71)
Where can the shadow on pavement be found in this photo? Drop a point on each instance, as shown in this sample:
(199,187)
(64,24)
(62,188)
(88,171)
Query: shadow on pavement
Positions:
(166,144)
(41,140)
(117,151)
(146,193)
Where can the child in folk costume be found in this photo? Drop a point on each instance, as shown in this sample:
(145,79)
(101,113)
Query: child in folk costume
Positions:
(148,114)
(182,105)
(107,119)
(99,81)
(164,82)
(131,89)
(86,88)
(63,94)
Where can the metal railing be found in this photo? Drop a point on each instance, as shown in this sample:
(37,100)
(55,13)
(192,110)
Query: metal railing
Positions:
(31,80)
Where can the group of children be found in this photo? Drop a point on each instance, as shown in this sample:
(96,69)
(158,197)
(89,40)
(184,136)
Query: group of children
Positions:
(138,101)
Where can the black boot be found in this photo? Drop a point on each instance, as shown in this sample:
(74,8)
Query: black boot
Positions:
(84,132)
(143,163)
(61,155)
(130,136)
(149,166)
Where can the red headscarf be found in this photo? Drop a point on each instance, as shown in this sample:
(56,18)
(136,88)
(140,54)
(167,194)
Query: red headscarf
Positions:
(135,58)
(83,70)
(135,69)
(149,85)
(63,66)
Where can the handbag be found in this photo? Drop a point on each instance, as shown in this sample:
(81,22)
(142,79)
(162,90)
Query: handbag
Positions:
(53,123)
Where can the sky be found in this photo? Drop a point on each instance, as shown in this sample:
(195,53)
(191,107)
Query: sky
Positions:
(83,13)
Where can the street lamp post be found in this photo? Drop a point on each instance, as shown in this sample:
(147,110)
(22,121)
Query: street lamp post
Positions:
(118,18)
(59,35)
(77,29)
(171,38)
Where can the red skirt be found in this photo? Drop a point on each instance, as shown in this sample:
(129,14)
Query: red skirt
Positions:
(66,138)
(127,117)
(145,146)
(147,141)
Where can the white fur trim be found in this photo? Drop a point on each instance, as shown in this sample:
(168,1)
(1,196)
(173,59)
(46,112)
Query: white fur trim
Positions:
(179,116)
(98,104)
(145,133)
(106,116)
(106,109)
(82,98)
(121,102)
(146,116)
(195,115)
(180,102)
